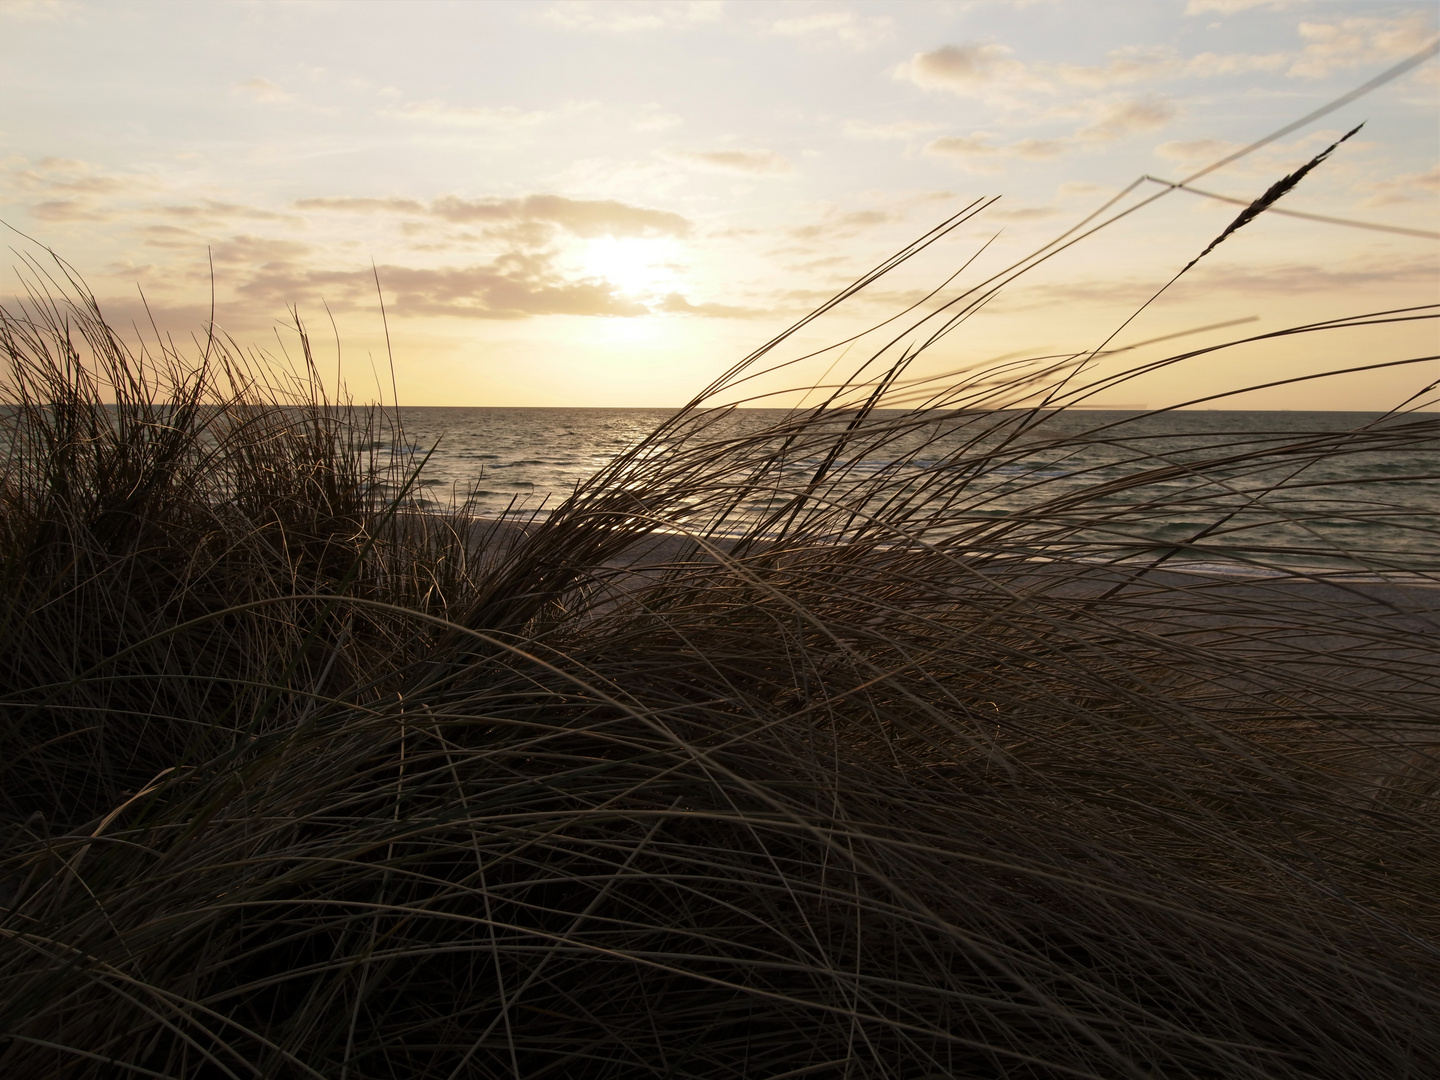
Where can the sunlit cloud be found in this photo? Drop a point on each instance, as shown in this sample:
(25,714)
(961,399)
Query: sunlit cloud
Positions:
(627,16)
(1210,65)
(1118,119)
(259,252)
(36,10)
(983,145)
(80,178)
(654,118)
(844,28)
(675,304)
(840,225)
(1132,64)
(1231,7)
(582,217)
(1270,161)
(64,190)
(982,151)
(439,112)
(513,286)
(1022,213)
(211,211)
(966,69)
(1129,64)
(1349,43)
(898,129)
(265,90)
(635,267)
(1406,188)
(748,162)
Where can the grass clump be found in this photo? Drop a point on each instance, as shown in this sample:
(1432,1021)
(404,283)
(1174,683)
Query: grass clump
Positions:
(910,770)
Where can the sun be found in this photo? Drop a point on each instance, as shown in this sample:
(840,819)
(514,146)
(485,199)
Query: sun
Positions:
(635,267)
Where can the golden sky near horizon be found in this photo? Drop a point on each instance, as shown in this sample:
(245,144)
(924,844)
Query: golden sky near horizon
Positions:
(596,203)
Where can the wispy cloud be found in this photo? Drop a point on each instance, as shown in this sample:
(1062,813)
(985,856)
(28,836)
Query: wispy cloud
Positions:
(62,190)
(838,225)
(264,90)
(972,69)
(1127,65)
(628,17)
(1133,64)
(1348,43)
(1271,161)
(830,28)
(1231,7)
(580,217)
(1122,118)
(1022,213)
(36,10)
(1406,188)
(747,162)
(983,145)
(675,304)
(982,151)
(513,286)
(213,211)
(654,118)
(435,111)
(897,129)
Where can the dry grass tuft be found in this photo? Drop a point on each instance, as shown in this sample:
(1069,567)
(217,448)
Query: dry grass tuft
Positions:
(297,782)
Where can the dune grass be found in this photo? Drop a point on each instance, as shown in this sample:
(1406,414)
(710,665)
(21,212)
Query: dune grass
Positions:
(881,782)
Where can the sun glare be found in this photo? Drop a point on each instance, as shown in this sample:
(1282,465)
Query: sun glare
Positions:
(636,267)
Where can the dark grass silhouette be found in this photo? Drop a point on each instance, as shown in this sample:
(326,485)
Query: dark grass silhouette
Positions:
(906,775)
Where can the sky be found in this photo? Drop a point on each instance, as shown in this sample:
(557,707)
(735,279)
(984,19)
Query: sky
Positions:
(607,204)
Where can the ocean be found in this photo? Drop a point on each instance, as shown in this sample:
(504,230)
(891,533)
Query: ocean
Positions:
(1168,478)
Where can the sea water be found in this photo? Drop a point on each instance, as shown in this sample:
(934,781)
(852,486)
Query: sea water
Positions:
(1383,501)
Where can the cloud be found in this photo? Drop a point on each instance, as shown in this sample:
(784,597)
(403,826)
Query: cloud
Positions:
(749,162)
(173,237)
(628,17)
(981,152)
(1023,213)
(264,90)
(1230,7)
(898,129)
(969,69)
(1122,118)
(1235,277)
(61,211)
(1349,43)
(513,286)
(582,217)
(1209,65)
(654,118)
(839,226)
(1410,187)
(212,211)
(1297,279)
(258,251)
(1196,151)
(675,304)
(435,111)
(1130,64)
(990,71)
(66,190)
(982,145)
(1133,64)
(1270,161)
(80,178)
(35,10)
(844,28)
